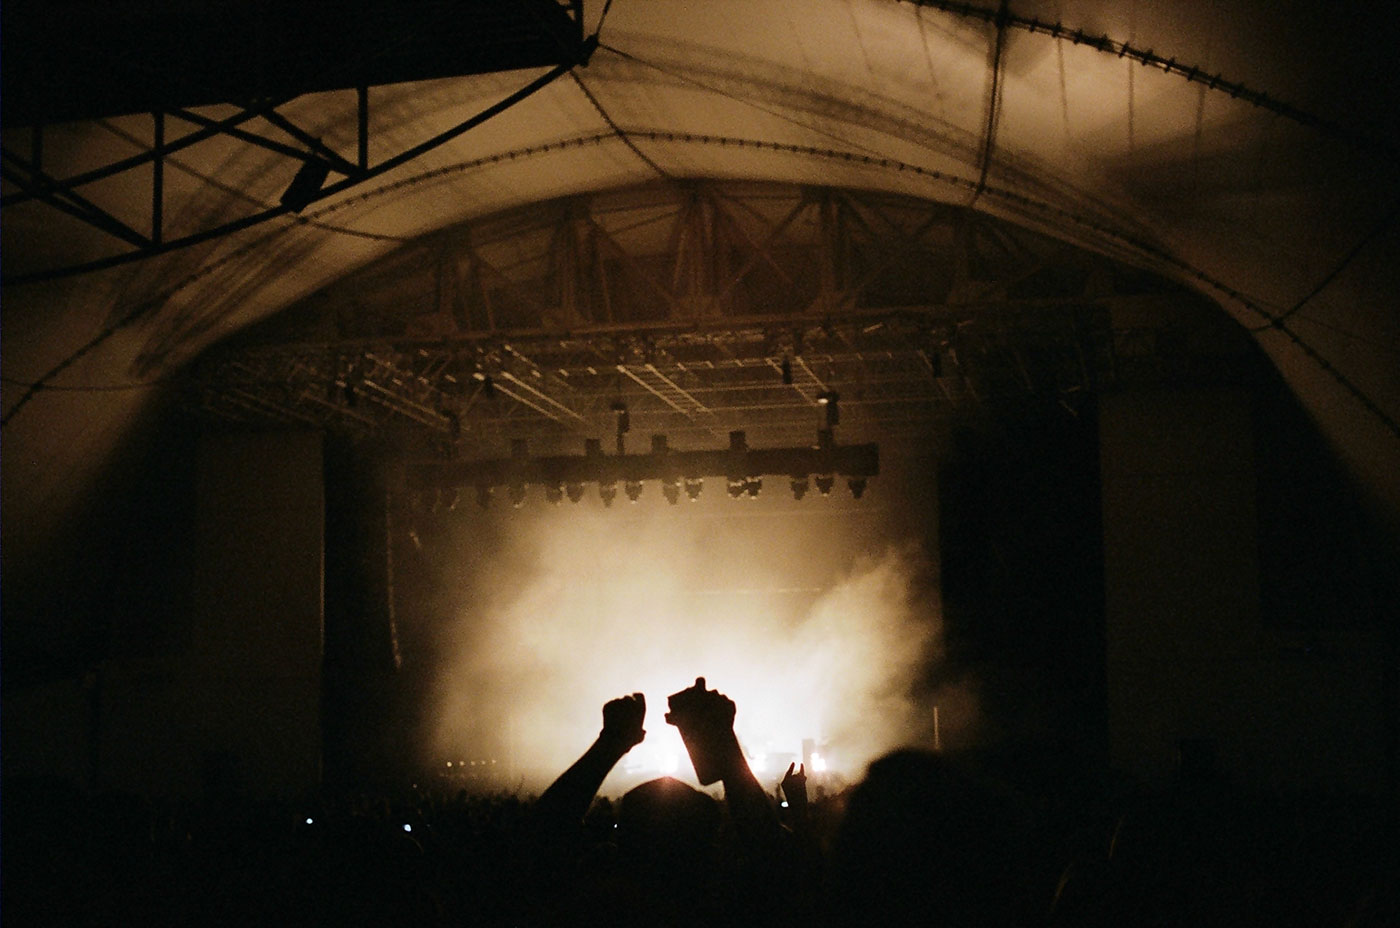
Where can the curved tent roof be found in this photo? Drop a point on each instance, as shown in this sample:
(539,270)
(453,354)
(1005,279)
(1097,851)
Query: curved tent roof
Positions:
(1246,150)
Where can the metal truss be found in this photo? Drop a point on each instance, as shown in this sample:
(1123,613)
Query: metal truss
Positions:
(529,34)
(439,483)
(704,308)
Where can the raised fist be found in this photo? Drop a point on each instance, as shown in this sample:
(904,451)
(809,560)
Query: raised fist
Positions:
(623,718)
(698,707)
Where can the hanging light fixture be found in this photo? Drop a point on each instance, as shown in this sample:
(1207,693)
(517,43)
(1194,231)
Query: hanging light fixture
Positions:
(305,186)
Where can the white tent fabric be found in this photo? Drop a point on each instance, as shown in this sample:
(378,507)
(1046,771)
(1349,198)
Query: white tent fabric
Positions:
(1246,149)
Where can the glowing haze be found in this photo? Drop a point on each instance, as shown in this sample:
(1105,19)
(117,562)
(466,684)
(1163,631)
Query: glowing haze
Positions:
(806,615)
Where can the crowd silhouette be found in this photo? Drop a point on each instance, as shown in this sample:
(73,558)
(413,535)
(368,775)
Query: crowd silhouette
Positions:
(924,838)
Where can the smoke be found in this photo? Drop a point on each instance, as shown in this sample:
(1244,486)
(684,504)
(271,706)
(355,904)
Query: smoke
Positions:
(813,624)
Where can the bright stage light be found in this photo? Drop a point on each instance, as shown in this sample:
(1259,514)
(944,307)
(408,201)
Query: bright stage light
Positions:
(818,763)
(564,611)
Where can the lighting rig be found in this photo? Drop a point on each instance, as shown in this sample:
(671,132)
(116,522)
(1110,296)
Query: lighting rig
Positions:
(743,469)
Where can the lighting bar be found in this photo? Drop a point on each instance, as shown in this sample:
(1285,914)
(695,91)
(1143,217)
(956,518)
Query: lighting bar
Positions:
(739,465)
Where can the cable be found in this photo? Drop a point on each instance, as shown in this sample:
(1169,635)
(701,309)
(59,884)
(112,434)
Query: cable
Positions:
(993,105)
(597,30)
(617,131)
(86,388)
(1332,275)
(1193,74)
(42,383)
(735,97)
(1369,341)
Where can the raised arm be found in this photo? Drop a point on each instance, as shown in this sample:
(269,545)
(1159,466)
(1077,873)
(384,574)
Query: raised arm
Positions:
(567,799)
(706,721)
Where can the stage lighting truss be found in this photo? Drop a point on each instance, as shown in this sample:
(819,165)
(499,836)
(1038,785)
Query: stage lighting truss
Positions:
(905,342)
(743,469)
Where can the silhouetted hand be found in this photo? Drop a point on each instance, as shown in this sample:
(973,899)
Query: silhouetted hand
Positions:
(706,722)
(566,801)
(622,721)
(795,790)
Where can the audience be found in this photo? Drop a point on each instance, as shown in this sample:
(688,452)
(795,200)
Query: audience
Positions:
(923,839)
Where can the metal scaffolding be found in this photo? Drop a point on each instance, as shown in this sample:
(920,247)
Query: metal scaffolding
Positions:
(705,308)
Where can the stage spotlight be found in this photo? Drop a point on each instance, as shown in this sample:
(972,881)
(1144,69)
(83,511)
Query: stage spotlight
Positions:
(737,488)
(753,487)
(554,493)
(517,495)
(824,484)
(671,489)
(633,489)
(857,485)
(483,495)
(607,492)
(799,487)
(575,491)
(693,488)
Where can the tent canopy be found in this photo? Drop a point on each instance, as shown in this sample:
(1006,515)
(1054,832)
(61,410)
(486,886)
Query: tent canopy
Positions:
(1247,151)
